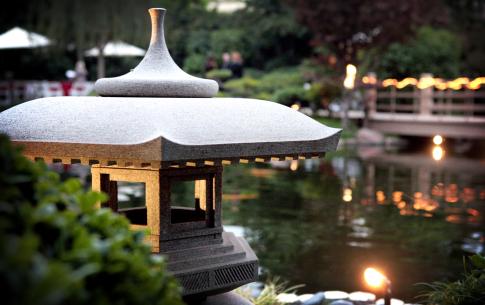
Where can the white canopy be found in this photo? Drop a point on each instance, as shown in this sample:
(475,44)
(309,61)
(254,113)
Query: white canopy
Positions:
(117,49)
(18,38)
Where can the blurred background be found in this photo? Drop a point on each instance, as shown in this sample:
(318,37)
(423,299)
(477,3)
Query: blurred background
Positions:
(405,79)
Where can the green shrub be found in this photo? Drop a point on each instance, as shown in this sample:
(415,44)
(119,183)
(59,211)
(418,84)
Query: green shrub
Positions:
(219,74)
(290,95)
(281,78)
(227,40)
(269,295)
(433,50)
(242,87)
(469,290)
(56,247)
(257,85)
(324,91)
(195,64)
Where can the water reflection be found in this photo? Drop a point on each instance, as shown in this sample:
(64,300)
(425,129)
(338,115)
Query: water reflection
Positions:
(320,223)
(438,153)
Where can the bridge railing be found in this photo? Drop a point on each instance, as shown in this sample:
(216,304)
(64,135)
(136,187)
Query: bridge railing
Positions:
(426,96)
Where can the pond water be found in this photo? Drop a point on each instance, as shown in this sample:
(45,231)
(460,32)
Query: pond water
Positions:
(322,222)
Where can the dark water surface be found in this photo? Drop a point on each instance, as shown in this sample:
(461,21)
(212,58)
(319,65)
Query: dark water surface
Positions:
(321,223)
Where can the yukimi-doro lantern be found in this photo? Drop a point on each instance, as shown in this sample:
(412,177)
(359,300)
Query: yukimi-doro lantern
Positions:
(158,125)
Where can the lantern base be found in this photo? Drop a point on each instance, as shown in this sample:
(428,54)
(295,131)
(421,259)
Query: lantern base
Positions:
(213,268)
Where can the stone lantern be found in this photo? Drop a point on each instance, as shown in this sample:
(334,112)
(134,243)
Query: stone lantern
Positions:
(158,125)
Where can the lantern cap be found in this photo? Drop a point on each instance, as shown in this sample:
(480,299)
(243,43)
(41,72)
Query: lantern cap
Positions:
(157,75)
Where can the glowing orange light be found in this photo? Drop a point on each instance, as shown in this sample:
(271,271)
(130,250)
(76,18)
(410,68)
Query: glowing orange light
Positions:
(454,219)
(349,81)
(437,139)
(438,153)
(406,212)
(347,195)
(473,212)
(374,278)
(425,204)
(369,80)
(451,193)
(476,83)
(295,106)
(438,83)
(425,82)
(381,197)
(468,195)
(406,82)
(396,196)
(294,165)
(389,82)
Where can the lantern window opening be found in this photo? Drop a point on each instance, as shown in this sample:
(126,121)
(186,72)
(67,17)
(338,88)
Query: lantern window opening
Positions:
(197,207)
(132,205)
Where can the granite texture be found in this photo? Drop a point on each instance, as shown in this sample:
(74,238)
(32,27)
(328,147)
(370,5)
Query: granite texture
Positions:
(210,269)
(163,129)
(157,75)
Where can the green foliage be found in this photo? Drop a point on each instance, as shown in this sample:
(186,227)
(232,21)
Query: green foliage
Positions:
(272,288)
(281,78)
(284,85)
(194,64)
(290,95)
(242,87)
(324,91)
(469,290)
(265,85)
(56,247)
(219,74)
(227,40)
(433,50)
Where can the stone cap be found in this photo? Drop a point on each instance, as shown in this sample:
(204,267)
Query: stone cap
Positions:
(157,75)
(150,130)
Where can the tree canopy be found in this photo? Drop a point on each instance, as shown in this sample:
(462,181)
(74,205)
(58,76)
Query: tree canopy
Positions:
(269,34)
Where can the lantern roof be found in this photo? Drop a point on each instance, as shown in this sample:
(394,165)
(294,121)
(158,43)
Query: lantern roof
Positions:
(163,131)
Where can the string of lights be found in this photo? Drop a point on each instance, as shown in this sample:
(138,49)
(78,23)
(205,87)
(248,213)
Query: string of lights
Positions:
(426,82)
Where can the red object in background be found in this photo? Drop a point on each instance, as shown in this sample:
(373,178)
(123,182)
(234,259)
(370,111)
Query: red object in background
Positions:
(66,87)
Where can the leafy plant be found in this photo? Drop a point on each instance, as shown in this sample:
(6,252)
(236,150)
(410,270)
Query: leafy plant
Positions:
(56,247)
(242,87)
(426,53)
(469,290)
(219,74)
(290,95)
(269,294)
(194,64)
(264,85)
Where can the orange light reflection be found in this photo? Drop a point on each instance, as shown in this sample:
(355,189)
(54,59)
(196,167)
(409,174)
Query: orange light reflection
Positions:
(426,82)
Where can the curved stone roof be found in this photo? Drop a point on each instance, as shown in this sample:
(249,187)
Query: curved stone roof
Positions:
(163,129)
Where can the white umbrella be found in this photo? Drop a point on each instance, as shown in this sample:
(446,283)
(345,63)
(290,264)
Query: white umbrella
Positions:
(18,38)
(116,49)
